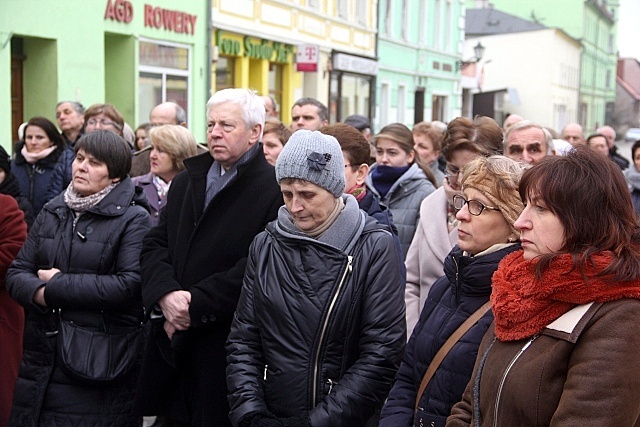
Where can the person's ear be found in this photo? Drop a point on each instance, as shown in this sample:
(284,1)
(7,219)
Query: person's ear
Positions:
(361,173)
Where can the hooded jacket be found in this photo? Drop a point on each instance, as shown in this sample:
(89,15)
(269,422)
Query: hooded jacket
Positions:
(319,329)
(403,199)
(98,256)
(464,288)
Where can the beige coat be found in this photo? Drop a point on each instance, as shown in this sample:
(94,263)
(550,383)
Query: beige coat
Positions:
(425,259)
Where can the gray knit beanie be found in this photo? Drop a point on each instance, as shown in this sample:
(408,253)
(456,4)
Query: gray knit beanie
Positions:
(314,157)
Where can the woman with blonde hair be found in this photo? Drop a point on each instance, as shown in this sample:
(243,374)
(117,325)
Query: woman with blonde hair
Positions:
(397,181)
(486,210)
(171,144)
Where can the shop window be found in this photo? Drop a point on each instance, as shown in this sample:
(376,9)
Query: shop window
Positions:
(438,108)
(163,76)
(224,72)
(275,82)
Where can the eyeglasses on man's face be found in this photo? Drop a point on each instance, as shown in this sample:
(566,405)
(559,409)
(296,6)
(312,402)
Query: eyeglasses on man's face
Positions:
(103,123)
(475,207)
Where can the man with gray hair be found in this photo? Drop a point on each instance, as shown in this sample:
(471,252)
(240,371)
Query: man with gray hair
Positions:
(70,117)
(193,263)
(527,142)
(610,134)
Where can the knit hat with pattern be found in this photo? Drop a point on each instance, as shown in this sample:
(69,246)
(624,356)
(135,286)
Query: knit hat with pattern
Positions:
(314,157)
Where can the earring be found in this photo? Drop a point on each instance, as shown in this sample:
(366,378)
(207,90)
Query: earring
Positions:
(511,240)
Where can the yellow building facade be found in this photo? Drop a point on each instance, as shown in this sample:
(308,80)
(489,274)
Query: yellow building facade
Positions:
(291,49)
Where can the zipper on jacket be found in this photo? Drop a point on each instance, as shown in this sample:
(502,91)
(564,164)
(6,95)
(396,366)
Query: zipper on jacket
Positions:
(331,384)
(504,378)
(324,328)
(265,372)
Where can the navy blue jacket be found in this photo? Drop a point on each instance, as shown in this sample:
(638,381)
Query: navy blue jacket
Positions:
(383,215)
(34,178)
(464,288)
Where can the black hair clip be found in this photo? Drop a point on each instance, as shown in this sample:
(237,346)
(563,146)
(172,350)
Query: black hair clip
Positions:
(317,161)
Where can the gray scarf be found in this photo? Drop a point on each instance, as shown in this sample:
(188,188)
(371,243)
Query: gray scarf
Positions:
(79,203)
(633,177)
(342,234)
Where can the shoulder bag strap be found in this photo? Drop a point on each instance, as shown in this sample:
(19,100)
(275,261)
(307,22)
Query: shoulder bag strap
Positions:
(448,345)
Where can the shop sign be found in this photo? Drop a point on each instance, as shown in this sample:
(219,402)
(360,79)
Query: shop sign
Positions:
(307,58)
(154,17)
(354,64)
(254,48)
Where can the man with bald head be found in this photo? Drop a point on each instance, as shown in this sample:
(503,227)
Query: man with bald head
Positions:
(610,135)
(573,134)
(270,106)
(167,113)
(510,121)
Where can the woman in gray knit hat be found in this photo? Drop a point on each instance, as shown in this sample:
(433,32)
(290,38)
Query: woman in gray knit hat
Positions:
(319,329)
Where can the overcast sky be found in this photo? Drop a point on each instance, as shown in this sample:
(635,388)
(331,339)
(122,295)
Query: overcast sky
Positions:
(629,29)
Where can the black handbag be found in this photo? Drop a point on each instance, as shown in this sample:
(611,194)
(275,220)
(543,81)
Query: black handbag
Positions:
(94,356)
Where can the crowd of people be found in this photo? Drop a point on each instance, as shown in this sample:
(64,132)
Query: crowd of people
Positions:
(302,273)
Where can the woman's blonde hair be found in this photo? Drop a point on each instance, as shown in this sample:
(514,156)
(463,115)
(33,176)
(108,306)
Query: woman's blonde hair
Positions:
(175,140)
(497,178)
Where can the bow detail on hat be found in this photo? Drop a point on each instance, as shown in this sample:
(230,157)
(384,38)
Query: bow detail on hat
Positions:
(317,161)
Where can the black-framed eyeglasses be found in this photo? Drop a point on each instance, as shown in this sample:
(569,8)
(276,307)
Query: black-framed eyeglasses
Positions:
(475,207)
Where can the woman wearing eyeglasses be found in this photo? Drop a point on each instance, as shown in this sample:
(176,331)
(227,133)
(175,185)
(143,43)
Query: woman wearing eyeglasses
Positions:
(436,233)
(563,348)
(98,116)
(35,160)
(486,210)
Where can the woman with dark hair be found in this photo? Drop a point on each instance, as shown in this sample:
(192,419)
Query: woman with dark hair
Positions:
(35,159)
(78,279)
(464,141)
(563,349)
(98,116)
(397,181)
(632,174)
(486,210)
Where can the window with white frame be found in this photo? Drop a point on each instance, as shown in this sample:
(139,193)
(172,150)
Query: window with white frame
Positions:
(361,12)
(163,75)
(401,104)
(436,24)
(343,9)
(384,104)
(406,20)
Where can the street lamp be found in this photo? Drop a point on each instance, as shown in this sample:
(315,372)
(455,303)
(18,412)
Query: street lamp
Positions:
(478,50)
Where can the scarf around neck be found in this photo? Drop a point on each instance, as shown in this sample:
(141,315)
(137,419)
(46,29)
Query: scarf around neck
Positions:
(523,305)
(343,232)
(383,177)
(633,177)
(32,158)
(79,203)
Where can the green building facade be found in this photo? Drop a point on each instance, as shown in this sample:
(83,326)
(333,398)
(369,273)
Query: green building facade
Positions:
(130,53)
(419,45)
(593,23)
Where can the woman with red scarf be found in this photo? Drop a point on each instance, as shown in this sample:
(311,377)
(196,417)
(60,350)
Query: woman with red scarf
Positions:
(563,350)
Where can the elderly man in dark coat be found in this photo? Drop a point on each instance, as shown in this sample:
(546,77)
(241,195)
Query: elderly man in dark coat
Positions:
(193,263)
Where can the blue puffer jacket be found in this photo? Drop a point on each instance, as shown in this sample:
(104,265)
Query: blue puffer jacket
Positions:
(463,289)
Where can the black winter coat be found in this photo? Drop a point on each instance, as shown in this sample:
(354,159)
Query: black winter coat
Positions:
(99,263)
(464,288)
(204,252)
(282,360)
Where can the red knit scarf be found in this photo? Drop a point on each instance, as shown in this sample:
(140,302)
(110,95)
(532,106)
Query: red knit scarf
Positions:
(523,305)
